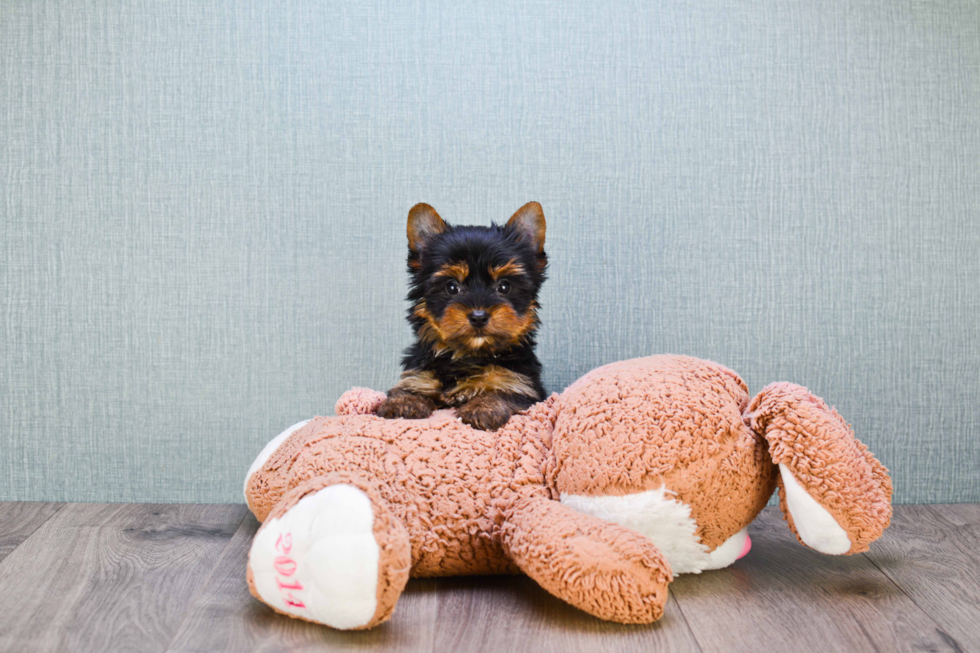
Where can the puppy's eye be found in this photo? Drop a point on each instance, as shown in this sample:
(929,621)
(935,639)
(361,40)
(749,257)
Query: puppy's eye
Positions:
(452,288)
(503,287)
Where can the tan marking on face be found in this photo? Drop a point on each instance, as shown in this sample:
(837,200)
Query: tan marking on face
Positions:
(509,269)
(429,331)
(419,382)
(507,326)
(490,379)
(458,271)
(454,331)
(455,323)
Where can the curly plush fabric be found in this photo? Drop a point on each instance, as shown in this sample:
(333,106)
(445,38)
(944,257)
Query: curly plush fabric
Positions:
(659,438)
(359,401)
(607,570)
(820,449)
(392,539)
(671,421)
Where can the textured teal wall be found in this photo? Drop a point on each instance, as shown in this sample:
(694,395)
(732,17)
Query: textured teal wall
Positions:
(203,211)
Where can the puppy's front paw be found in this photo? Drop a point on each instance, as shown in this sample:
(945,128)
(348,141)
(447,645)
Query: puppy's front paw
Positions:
(407,406)
(485,412)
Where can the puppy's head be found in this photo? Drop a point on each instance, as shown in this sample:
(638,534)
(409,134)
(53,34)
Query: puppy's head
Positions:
(474,289)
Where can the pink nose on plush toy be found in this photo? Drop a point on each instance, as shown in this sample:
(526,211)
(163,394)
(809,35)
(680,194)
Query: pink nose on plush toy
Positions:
(746,547)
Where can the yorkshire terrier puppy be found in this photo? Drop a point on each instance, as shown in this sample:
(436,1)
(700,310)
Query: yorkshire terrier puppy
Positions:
(473,294)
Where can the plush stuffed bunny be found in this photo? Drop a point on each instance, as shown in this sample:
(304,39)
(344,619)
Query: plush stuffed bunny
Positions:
(640,470)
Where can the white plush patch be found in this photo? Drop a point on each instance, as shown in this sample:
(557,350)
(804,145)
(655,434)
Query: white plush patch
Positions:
(728,552)
(666,521)
(817,528)
(270,449)
(319,561)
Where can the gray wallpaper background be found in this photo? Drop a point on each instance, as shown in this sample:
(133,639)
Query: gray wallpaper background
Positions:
(203,210)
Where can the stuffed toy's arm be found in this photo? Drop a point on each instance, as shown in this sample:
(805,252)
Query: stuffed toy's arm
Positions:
(359,401)
(600,567)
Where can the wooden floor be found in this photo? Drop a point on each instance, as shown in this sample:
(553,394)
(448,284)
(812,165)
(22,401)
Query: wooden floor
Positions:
(124,577)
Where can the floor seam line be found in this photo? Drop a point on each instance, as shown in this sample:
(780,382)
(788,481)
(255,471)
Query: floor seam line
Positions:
(687,623)
(207,581)
(31,534)
(911,598)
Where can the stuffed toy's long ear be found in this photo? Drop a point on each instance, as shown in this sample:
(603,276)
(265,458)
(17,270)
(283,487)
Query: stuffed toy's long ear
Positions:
(529,222)
(423,224)
(835,495)
(603,568)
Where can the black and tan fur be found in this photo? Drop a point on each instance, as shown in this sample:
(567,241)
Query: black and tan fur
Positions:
(483,365)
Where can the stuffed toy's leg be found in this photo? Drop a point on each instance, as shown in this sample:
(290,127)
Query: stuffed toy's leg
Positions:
(835,496)
(331,551)
(603,568)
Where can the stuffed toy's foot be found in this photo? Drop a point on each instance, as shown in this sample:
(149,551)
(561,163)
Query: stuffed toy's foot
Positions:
(734,548)
(606,569)
(331,552)
(835,496)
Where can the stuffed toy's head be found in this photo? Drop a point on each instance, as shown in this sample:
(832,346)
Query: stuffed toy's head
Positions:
(640,470)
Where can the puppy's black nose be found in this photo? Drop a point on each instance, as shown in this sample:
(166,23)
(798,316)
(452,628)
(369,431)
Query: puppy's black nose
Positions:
(479,318)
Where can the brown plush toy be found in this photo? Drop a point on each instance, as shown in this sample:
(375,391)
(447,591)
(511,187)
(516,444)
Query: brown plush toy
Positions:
(640,470)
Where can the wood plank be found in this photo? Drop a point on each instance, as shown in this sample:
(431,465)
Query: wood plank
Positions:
(98,577)
(131,577)
(933,554)
(225,617)
(784,596)
(512,613)
(18,519)
(481,613)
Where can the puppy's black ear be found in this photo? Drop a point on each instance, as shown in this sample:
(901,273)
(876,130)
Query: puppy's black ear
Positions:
(423,224)
(529,223)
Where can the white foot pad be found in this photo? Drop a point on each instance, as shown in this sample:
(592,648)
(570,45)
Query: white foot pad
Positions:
(319,561)
(817,528)
(729,551)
